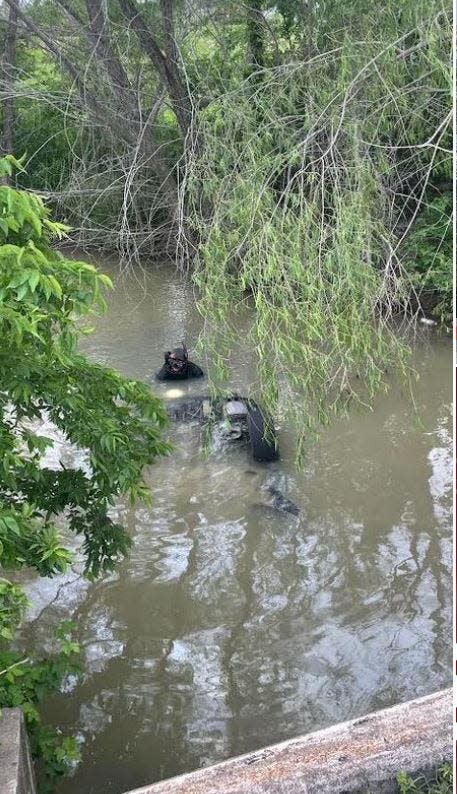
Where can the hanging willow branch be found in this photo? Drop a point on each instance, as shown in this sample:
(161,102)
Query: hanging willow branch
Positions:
(314,175)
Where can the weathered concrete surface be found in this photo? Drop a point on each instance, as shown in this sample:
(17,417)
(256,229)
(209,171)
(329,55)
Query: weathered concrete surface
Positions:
(16,770)
(359,756)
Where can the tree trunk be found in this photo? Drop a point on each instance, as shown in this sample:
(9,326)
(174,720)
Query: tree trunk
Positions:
(114,102)
(166,63)
(255,26)
(8,69)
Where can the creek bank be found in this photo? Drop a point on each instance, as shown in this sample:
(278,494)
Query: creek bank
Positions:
(357,757)
(16,768)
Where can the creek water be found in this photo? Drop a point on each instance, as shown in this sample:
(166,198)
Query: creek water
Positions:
(232,625)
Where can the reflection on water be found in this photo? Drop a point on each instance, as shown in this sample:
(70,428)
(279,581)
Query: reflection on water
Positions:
(231,625)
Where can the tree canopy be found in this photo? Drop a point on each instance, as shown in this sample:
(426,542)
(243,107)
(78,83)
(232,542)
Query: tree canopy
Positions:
(114,424)
(286,155)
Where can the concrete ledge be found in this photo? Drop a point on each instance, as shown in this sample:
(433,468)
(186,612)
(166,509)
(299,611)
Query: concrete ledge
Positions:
(16,769)
(356,757)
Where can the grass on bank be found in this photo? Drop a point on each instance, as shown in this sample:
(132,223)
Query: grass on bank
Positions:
(442,784)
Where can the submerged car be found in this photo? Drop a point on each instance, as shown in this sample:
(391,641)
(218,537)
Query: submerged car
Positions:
(237,419)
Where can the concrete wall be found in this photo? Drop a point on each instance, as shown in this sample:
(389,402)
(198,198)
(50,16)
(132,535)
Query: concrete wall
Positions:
(359,756)
(16,770)
(355,757)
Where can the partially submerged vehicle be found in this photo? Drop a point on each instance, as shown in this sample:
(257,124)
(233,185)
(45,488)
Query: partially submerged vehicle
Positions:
(236,419)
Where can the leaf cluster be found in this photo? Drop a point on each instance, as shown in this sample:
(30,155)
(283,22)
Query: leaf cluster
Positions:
(428,255)
(24,682)
(50,394)
(442,784)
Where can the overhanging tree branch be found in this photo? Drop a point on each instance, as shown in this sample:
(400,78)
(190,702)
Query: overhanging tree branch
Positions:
(166,64)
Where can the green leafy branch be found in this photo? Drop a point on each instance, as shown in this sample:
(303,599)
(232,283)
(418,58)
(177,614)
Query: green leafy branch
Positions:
(115,423)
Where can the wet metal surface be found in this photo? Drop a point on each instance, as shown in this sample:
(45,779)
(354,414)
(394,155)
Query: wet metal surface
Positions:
(234,625)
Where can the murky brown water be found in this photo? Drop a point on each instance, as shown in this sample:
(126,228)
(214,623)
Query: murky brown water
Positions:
(232,626)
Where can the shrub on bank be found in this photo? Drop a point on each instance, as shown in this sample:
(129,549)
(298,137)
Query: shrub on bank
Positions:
(442,784)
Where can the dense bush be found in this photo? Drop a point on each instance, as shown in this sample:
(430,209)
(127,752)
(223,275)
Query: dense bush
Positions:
(429,256)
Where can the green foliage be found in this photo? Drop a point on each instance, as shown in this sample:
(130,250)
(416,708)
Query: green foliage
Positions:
(442,784)
(81,166)
(308,184)
(114,424)
(43,128)
(300,191)
(428,257)
(24,682)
